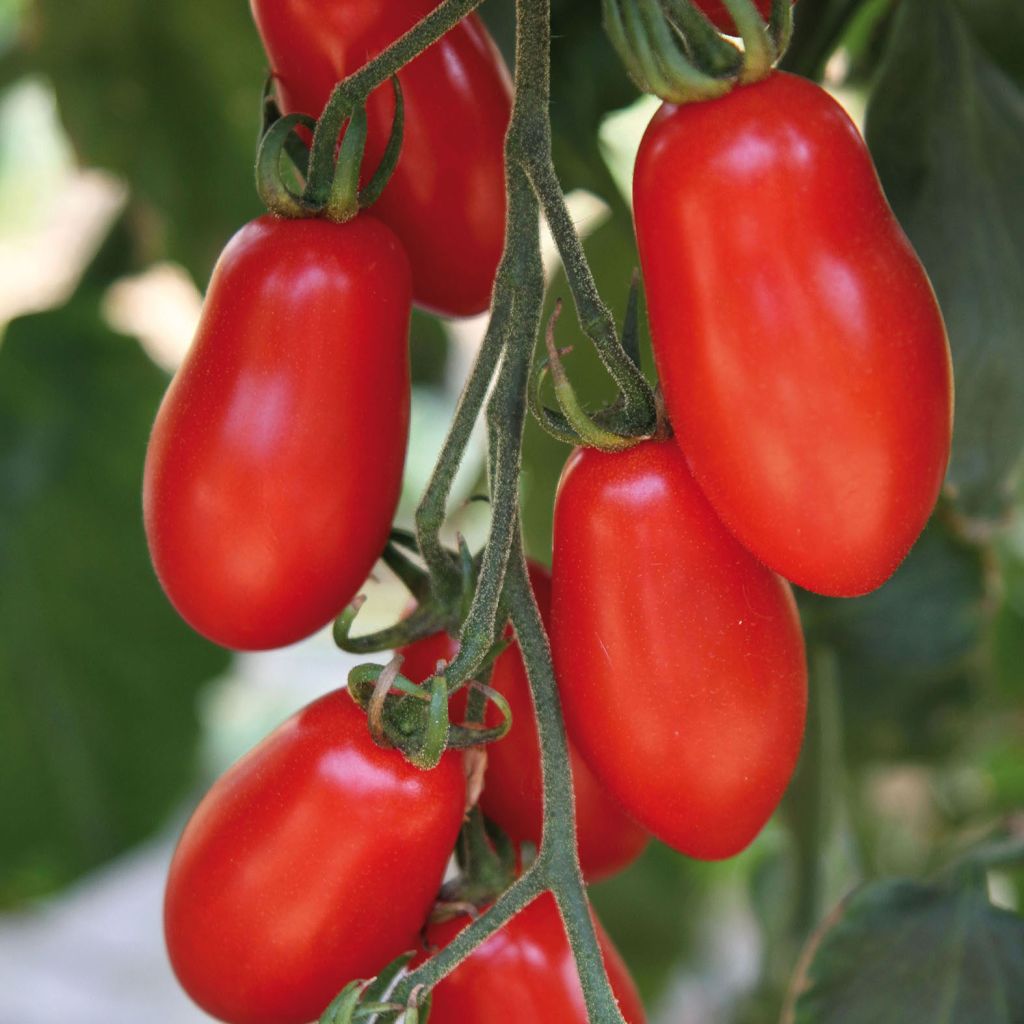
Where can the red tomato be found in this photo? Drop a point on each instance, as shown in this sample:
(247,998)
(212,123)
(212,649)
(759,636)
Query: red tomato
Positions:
(513,793)
(525,972)
(722,19)
(446,200)
(680,657)
(275,463)
(312,862)
(801,350)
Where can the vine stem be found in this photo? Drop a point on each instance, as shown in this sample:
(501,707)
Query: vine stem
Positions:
(504,580)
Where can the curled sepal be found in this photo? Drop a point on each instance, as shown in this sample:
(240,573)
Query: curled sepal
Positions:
(371,192)
(361,1000)
(586,428)
(487,867)
(415,578)
(780,26)
(759,52)
(658,59)
(343,200)
(270,183)
(412,718)
(425,620)
(472,734)
(343,1007)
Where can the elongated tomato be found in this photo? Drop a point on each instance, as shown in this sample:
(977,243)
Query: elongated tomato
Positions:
(446,200)
(680,658)
(275,462)
(525,972)
(802,353)
(312,862)
(608,839)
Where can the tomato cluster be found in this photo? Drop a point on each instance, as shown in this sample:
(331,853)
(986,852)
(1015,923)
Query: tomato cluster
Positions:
(808,392)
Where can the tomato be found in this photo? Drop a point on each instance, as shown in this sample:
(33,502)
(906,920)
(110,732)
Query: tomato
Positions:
(312,862)
(525,972)
(608,839)
(680,658)
(722,19)
(446,200)
(275,462)
(800,347)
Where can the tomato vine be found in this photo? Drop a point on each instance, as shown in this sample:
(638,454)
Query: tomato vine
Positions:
(503,581)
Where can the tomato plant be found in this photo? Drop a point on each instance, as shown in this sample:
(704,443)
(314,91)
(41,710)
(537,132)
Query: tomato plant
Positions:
(799,344)
(313,861)
(266,500)
(608,839)
(446,200)
(524,973)
(680,658)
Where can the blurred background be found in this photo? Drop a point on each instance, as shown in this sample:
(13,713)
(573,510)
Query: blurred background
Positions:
(127,134)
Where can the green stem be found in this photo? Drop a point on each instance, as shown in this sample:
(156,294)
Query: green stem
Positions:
(353,91)
(503,578)
(433,506)
(594,316)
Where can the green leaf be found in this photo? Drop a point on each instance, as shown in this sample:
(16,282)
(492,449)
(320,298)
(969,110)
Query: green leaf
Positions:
(902,952)
(946,126)
(98,675)
(167,96)
(909,652)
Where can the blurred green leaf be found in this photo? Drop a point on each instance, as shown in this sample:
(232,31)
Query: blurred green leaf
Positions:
(98,674)
(946,126)
(672,891)
(908,653)
(901,952)
(165,95)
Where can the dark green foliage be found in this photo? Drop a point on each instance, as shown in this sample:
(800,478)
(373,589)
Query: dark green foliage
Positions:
(96,737)
(902,952)
(946,127)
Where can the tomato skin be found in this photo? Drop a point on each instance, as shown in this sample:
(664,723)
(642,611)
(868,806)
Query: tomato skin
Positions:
(446,200)
(680,658)
(800,347)
(313,861)
(525,972)
(275,463)
(722,19)
(608,839)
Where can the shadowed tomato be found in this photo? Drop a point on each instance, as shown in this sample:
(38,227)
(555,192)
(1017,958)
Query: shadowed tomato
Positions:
(275,462)
(446,200)
(312,862)
(525,972)
(680,658)
(722,19)
(801,350)
(608,839)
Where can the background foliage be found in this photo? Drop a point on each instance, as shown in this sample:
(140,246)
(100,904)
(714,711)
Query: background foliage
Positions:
(914,753)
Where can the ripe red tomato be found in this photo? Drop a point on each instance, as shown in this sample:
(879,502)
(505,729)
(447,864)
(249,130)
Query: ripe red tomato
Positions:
(525,972)
(446,200)
(275,462)
(802,353)
(608,840)
(680,658)
(722,19)
(312,862)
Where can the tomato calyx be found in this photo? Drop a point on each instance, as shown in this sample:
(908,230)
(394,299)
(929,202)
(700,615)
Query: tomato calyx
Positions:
(573,424)
(362,999)
(330,172)
(671,49)
(488,864)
